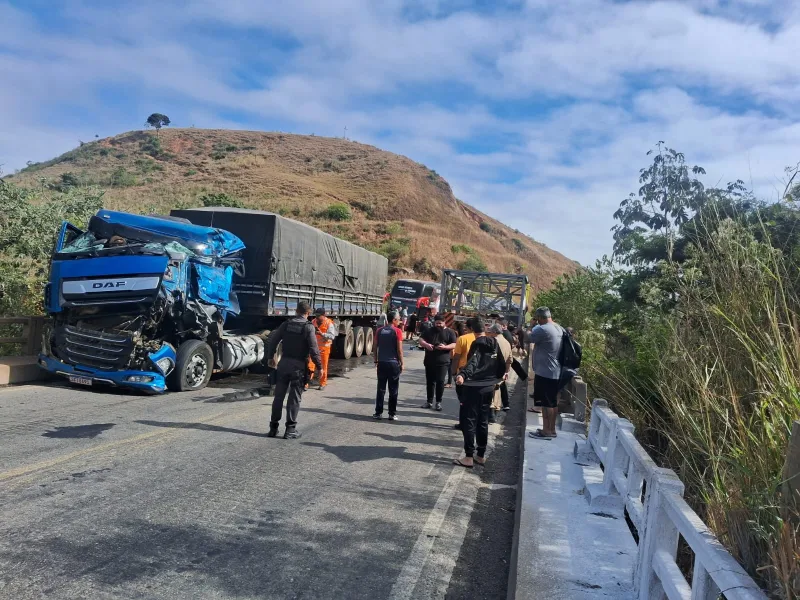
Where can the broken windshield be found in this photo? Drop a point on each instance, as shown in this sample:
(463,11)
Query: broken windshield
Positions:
(88,244)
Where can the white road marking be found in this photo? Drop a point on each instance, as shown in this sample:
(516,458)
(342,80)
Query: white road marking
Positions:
(412,569)
(431,571)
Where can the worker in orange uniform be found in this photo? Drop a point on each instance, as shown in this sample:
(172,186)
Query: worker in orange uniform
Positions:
(326,333)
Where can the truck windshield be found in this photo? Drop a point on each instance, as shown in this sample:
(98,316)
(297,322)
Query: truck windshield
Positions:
(407,289)
(88,244)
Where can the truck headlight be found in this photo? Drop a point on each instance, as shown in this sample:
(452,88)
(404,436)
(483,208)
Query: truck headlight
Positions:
(165,365)
(138,379)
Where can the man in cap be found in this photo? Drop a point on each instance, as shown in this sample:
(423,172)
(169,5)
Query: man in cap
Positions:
(299,342)
(437,341)
(325,330)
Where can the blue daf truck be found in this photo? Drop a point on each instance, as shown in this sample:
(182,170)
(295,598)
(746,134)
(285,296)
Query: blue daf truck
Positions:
(155,303)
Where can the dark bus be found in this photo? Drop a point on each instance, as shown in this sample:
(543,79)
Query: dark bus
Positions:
(415,294)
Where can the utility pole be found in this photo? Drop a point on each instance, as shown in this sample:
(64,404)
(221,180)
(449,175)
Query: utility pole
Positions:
(345,132)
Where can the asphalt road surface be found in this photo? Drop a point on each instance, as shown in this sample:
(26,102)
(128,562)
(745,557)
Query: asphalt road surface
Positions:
(108,495)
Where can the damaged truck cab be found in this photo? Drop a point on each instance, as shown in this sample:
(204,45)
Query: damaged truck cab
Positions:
(155,303)
(140,302)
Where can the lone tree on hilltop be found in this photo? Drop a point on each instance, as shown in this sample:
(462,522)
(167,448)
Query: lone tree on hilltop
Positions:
(157,121)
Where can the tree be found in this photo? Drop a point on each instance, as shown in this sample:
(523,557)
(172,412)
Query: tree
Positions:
(157,121)
(667,199)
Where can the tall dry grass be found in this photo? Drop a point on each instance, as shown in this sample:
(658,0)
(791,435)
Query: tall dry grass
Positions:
(713,387)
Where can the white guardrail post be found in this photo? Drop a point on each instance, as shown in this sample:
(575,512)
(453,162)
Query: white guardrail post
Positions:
(660,519)
(659,538)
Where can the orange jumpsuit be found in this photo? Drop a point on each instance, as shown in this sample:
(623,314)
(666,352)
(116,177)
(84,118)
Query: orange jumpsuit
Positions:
(326,332)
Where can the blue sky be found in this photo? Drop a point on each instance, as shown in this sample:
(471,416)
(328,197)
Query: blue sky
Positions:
(538,112)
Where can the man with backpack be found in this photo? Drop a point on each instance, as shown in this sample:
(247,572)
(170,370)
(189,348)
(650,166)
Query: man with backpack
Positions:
(546,338)
(485,369)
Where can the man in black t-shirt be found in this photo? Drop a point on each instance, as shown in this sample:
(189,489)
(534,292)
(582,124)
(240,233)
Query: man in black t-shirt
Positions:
(438,342)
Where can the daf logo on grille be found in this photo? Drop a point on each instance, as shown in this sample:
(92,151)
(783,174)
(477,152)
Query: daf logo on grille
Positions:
(108,284)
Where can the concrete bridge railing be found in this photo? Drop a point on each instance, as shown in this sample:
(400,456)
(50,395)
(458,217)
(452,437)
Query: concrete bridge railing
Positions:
(653,498)
(30,337)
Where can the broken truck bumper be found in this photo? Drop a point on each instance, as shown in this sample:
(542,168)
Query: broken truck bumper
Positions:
(146,381)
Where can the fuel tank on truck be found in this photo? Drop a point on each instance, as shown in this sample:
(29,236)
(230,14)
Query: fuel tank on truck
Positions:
(241,351)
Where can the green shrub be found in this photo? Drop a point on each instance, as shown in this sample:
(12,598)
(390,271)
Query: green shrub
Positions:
(338,211)
(104,152)
(461,249)
(218,155)
(29,223)
(66,181)
(220,199)
(473,263)
(518,245)
(394,228)
(120,177)
(486,227)
(394,250)
(190,172)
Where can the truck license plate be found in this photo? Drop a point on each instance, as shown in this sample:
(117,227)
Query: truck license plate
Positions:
(80,380)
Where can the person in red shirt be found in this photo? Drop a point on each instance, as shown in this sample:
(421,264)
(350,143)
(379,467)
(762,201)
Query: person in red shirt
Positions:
(389,363)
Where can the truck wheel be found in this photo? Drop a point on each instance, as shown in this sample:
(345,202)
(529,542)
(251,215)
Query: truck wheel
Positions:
(193,367)
(343,346)
(369,340)
(349,343)
(360,335)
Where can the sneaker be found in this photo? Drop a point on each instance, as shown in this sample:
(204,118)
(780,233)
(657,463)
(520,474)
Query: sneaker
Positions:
(393,417)
(291,434)
(273,432)
(506,408)
(492,418)
(427,405)
(457,426)
(438,406)
(377,417)
(321,388)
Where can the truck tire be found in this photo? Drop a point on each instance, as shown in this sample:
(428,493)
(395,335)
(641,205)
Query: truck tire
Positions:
(343,345)
(193,367)
(360,340)
(369,340)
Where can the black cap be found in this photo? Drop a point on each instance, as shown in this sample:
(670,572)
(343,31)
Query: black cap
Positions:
(319,311)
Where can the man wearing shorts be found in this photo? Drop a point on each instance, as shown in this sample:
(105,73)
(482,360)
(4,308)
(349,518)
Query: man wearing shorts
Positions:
(546,337)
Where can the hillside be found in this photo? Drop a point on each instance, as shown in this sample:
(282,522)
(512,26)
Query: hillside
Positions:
(397,207)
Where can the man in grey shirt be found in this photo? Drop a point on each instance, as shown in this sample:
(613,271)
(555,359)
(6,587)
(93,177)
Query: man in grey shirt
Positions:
(546,337)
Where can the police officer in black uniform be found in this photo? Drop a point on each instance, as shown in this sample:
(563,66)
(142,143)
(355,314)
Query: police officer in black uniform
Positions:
(299,341)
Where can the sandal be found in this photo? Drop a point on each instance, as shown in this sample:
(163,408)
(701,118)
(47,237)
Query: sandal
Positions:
(458,463)
(480,461)
(535,409)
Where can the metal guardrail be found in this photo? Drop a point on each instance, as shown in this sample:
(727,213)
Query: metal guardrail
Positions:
(653,497)
(31,337)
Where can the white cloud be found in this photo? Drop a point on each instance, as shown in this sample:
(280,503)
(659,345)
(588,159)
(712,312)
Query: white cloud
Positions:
(539,113)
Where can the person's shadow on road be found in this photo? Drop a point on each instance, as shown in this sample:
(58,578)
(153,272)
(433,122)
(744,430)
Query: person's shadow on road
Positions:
(351,454)
(200,427)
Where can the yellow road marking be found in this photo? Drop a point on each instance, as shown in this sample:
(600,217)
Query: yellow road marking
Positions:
(132,441)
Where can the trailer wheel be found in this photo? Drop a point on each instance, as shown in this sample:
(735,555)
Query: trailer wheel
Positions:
(193,367)
(369,340)
(343,345)
(360,339)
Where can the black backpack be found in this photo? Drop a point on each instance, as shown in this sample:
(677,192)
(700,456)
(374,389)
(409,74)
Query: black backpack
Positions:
(571,352)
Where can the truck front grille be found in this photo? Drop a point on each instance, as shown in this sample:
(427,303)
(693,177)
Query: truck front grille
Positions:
(94,348)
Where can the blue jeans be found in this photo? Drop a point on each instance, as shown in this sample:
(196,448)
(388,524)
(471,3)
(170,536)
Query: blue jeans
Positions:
(388,374)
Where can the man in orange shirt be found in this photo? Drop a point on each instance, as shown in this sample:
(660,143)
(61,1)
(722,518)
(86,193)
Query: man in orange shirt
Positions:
(460,357)
(326,333)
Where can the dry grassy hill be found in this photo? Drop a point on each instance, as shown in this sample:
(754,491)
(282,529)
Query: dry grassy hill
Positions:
(396,206)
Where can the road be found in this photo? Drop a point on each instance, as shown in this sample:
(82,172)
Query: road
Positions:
(107,495)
